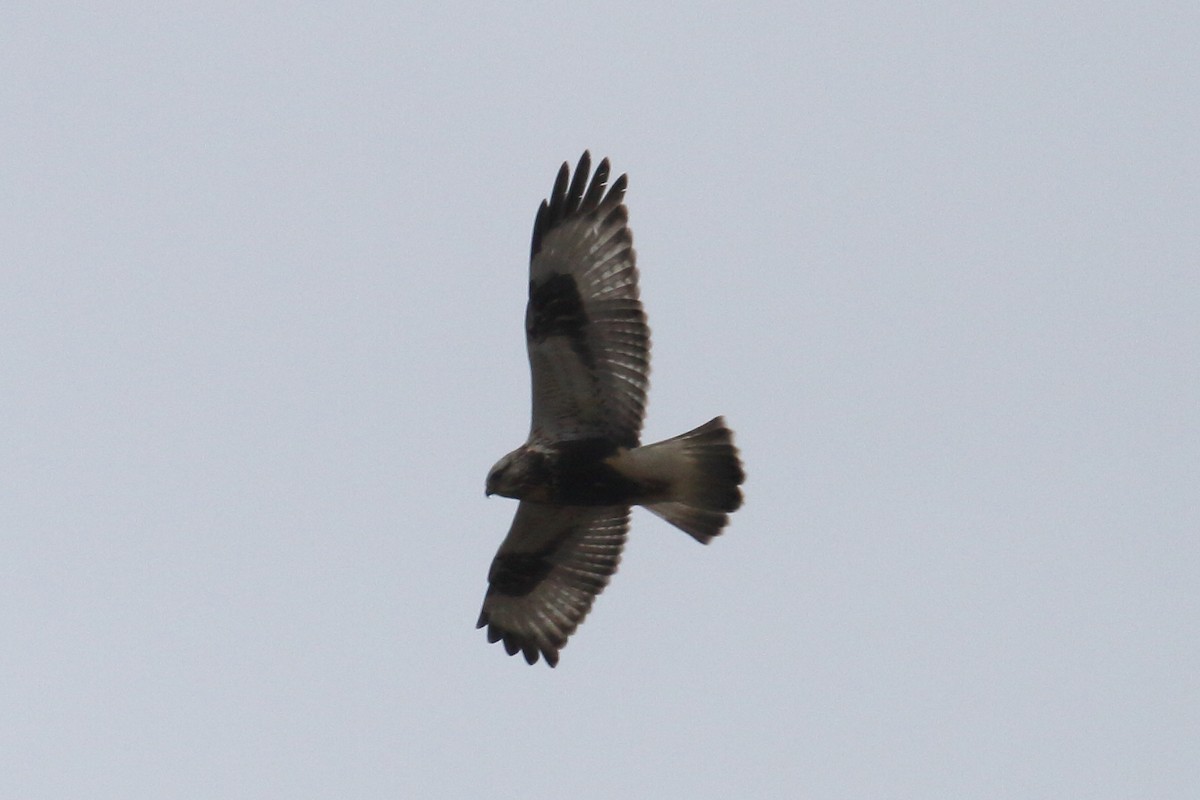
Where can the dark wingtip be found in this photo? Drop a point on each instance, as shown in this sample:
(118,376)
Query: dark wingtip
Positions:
(514,644)
(581,193)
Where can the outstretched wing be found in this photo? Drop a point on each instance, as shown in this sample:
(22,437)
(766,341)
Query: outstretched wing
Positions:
(589,347)
(547,573)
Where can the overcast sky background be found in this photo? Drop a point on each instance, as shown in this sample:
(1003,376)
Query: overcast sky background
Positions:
(263,274)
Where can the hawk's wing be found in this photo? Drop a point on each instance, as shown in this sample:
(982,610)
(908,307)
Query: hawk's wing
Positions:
(589,347)
(549,569)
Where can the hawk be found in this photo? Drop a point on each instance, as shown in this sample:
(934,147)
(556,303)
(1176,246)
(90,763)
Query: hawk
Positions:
(583,466)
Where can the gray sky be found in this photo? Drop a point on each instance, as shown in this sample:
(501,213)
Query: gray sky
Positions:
(262,278)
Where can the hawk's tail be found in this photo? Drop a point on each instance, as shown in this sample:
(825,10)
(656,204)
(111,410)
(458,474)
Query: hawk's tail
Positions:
(704,473)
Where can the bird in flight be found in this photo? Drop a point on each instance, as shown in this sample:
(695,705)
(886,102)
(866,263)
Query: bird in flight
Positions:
(583,466)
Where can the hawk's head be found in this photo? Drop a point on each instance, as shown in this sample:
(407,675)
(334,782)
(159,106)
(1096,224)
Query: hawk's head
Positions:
(520,475)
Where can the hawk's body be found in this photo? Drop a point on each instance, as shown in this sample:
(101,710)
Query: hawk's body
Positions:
(582,467)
